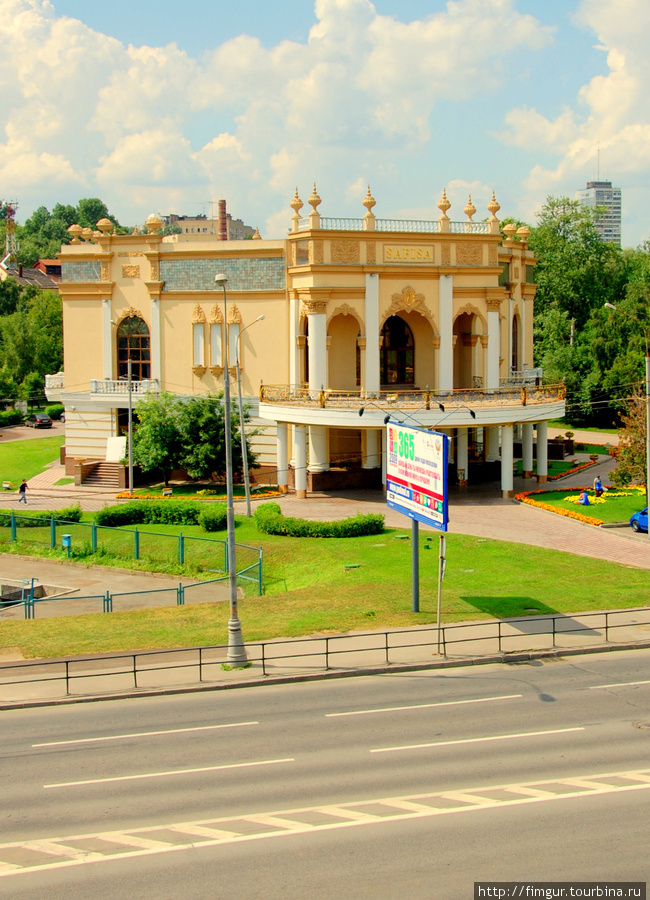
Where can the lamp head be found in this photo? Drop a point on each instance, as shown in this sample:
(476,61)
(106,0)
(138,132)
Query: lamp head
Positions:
(441,407)
(221,280)
(610,306)
(361,411)
(472,413)
(387,419)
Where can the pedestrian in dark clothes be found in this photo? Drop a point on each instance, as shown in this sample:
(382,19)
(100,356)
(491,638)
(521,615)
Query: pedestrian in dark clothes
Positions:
(22,490)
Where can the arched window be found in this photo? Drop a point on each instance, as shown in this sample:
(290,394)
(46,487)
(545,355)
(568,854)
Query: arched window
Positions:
(133,343)
(397,354)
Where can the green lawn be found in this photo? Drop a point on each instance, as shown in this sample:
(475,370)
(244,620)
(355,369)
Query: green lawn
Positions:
(25,459)
(567,426)
(613,506)
(555,466)
(310,590)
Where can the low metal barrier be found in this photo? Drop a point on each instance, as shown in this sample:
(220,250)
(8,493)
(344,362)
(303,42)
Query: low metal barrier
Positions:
(83,539)
(323,652)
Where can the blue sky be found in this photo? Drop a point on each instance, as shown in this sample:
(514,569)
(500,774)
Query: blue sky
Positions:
(161,108)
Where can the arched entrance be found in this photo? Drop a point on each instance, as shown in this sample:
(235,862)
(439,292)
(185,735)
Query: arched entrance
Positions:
(468,370)
(397,353)
(133,343)
(344,357)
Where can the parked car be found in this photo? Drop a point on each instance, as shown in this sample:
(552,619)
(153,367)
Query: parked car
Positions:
(38,420)
(639,521)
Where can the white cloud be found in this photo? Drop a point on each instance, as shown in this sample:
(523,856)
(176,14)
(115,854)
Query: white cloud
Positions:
(611,112)
(344,106)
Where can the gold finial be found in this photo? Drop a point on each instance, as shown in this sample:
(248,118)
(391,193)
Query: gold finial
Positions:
(97,236)
(470,209)
(493,206)
(153,223)
(296,204)
(256,235)
(314,200)
(87,234)
(74,231)
(444,204)
(369,201)
(524,232)
(104,225)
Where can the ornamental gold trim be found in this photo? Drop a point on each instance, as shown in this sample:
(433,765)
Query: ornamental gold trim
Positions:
(313,307)
(345,252)
(130,271)
(216,316)
(198,316)
(469,254)
(234,316)
(408,301)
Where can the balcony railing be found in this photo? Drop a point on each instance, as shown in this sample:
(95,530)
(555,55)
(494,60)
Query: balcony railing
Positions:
(299,395)
(55,382)
(111,386)
(420,226)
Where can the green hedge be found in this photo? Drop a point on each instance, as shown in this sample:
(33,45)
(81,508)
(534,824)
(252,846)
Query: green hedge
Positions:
(150,512)
(269,520)
(69,514)
(213,517)
(55,411)
(10,417)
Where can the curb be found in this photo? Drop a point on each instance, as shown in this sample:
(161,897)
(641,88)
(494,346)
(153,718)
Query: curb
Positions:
(506,658)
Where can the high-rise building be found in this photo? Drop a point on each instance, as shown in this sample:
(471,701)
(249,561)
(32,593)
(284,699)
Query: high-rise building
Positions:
(601,194)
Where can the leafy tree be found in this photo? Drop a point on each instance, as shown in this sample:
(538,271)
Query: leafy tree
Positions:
(631,457)
(32,387)
(31,339)
(157,441)
(9,296)
(204,436)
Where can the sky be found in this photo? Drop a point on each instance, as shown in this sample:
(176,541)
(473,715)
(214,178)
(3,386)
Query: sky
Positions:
(167,107)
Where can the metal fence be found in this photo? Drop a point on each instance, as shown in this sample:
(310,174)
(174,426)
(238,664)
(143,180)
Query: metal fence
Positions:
(302,656)
(81,540)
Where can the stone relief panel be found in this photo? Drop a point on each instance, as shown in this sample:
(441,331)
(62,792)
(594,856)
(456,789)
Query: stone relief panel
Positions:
(216,315)
(197,315)
(469,254)
(345,252)
(445,255)
(408,301)
(316,252)
(130,271)
(371,252)
(493,256)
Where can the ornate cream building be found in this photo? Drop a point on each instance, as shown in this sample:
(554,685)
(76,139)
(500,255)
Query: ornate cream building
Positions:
(430,322)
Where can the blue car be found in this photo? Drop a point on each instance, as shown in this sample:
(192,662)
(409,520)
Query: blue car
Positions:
(639,521)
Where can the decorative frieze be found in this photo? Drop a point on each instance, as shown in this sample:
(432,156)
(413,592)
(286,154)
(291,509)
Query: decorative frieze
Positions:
(408,301)
(445,255)
(130,272)
(313,307)
(493,255)
(469,254)
(345,252)
(371,252)
(316,252)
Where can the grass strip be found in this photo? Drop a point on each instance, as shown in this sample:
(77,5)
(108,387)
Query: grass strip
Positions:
(335,586)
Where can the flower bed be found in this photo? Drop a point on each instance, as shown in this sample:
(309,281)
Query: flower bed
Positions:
(525,497)
(585,465)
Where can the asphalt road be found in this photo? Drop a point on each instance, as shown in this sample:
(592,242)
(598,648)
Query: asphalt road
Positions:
(415,784)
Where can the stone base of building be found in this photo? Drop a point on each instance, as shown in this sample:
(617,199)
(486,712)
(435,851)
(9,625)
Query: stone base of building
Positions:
(542,479)
(507,495)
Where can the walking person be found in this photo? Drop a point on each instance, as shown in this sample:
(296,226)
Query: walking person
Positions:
(22,490)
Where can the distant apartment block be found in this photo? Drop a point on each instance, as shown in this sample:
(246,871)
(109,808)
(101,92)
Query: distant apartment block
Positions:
(227,228)
(601,194)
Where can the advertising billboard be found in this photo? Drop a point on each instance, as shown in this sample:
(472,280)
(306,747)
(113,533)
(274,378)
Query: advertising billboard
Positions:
(416,474)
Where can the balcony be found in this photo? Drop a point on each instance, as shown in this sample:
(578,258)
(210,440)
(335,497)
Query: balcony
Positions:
(138,388)
(475,407)
(54,384)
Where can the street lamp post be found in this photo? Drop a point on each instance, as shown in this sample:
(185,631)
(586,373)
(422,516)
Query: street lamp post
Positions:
(647,401)
(244,448)
(236,650)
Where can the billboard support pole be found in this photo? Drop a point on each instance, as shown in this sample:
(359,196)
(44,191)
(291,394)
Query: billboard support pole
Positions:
(441,574)
(415,564)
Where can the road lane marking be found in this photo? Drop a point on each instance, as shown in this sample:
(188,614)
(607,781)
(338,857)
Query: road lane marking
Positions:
(232,829)
(263,762)
(366,712)
(139,734)
(601,687)
(494,737)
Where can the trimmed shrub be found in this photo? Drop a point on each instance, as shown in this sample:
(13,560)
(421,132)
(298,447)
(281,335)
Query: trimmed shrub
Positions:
(10,417)
(55,411)
(269,520)
(150,512)
(43,517)
(213,517)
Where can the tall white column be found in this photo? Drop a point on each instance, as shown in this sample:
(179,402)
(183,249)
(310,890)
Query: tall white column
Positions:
(371,316)
(507,461)
(542,452)
(156,356)
(527,450)
(107,338)
(317,327)
(371,448)
(446,324)
(282,435)
(294,355)
(300,456)
(318,455)
(462,456)
(494,347)
(492,443)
